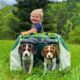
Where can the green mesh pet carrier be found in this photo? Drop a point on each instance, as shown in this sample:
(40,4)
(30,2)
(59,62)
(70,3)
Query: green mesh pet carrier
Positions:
(40,40)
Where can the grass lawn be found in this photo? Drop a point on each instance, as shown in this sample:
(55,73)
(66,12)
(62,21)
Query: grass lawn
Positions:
(5,74)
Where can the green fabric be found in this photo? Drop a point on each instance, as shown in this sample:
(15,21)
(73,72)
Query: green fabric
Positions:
(35,35)
(63,43)
(16,43)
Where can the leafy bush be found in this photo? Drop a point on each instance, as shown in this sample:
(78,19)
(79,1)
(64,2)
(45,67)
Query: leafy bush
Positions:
(74,36)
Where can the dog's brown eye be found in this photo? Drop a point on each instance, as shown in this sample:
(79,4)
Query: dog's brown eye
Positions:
(29,49)
(51,51)
(24,49)
(53,47)
(46,51)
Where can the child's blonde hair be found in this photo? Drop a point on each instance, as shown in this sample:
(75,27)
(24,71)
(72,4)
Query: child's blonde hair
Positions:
(39,11)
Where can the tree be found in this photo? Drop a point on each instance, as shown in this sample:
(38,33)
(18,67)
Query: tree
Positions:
(57,16)
(5,15)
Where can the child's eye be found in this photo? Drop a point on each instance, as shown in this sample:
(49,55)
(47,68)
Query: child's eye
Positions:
(32,16)
(37,17)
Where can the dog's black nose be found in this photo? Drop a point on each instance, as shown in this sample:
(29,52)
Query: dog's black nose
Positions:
(26,54)
(49,56)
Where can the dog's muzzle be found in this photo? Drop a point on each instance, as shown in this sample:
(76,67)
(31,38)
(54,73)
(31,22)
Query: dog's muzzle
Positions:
(25,55)
(49,55)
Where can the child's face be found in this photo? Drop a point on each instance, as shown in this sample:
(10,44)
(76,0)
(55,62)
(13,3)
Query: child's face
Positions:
(35,18)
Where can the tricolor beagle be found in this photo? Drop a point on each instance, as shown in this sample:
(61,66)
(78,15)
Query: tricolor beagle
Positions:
(50,53)
(26,51)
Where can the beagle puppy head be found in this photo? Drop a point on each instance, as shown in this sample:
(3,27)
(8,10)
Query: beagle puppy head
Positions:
(49,51)
(26,49)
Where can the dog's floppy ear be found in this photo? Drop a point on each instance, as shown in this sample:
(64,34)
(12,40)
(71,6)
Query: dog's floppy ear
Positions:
(34,50)
(56,49)
(43,51)
(20,49)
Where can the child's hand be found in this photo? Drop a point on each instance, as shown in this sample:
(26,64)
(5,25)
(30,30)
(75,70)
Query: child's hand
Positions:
(23,33)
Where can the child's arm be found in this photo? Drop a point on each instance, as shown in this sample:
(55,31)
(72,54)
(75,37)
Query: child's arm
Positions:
(37,28)
(32,30)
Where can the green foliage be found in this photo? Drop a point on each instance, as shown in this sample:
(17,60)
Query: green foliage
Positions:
(74,36)
(61,18)
(5,15)
(57,14)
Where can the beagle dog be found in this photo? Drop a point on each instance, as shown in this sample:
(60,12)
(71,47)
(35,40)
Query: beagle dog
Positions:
(50,54)
(27,52)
